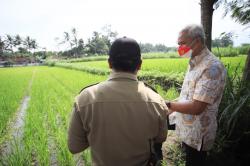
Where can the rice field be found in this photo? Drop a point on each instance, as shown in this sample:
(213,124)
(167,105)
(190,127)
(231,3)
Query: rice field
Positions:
(165,65)
(13,85)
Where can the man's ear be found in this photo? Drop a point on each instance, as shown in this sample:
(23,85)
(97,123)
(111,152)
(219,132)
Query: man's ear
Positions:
(110,65)
(139,65)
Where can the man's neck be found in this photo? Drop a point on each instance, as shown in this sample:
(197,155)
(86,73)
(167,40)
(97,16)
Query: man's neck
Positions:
(198,51)
(119,71)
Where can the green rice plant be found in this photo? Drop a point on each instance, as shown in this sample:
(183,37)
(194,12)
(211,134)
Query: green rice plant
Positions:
(225,51)
(230,51)
(14,83)
(168,66)
(47,118)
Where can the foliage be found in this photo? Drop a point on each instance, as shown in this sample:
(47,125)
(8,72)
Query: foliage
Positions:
(232,145)
(75,44)
(230,51)
(10,43)
(98,44)
(224,40)
(239,10)
(148,47)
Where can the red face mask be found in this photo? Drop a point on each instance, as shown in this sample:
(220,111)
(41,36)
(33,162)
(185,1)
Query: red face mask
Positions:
(185,51)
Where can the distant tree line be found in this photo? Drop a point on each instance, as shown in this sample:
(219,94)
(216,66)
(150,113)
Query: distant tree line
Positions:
(148,47)
(98,44)
(16,44)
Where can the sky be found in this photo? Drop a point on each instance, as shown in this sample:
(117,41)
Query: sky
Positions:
(147,21)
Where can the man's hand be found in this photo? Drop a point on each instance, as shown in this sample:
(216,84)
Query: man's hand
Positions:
(168,103)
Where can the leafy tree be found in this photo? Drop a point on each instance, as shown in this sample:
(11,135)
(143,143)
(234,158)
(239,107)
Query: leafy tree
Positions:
(224,40)
(238,10)
(108,35)
(80,46)
(97,44)
(76,45)
(30,43)
(74,41)
(1,46)
(22,50)
(17,41)
(67,39)
(9,43)
(161,48)
(147,47)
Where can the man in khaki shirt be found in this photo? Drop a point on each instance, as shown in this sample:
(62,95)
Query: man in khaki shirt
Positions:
(120,118)
(202,89)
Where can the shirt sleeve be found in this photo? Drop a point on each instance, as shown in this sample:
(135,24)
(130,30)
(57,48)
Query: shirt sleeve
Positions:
(77,136)
(209,86)
(163,128)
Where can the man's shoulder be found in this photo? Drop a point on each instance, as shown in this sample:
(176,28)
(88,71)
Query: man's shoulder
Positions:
(151,93)
(87,94)
(212,61)
(150,87)
(88,87)
(214,68)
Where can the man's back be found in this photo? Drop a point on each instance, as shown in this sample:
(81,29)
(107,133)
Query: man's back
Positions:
(119,117)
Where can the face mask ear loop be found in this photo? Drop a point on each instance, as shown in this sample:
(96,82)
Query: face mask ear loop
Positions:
(191,44)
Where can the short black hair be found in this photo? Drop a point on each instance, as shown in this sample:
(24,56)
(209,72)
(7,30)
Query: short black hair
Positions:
(125,54)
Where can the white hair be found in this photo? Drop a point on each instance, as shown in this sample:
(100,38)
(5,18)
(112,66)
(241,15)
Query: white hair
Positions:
(195,31)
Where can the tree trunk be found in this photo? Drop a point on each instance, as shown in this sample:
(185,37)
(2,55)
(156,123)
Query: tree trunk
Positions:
(246,74)
(206,19)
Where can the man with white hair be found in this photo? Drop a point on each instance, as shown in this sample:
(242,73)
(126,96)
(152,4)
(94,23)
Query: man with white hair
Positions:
(196,110)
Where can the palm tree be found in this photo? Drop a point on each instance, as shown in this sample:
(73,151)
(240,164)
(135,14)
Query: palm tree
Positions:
(17,40)
(75,41)
(9,43)
(1,46)
(30,43)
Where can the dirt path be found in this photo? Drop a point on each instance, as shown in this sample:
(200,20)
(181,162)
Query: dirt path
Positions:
(170,148)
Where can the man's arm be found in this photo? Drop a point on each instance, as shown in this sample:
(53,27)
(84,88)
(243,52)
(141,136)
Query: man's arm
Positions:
(77,138)
(194,107)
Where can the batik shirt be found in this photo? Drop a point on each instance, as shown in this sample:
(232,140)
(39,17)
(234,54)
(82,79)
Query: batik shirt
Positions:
(204,81)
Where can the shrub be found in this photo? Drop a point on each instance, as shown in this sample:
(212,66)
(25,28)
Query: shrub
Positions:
(232,145)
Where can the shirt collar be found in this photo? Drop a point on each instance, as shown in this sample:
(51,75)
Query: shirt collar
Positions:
(122,75)
(198,58)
